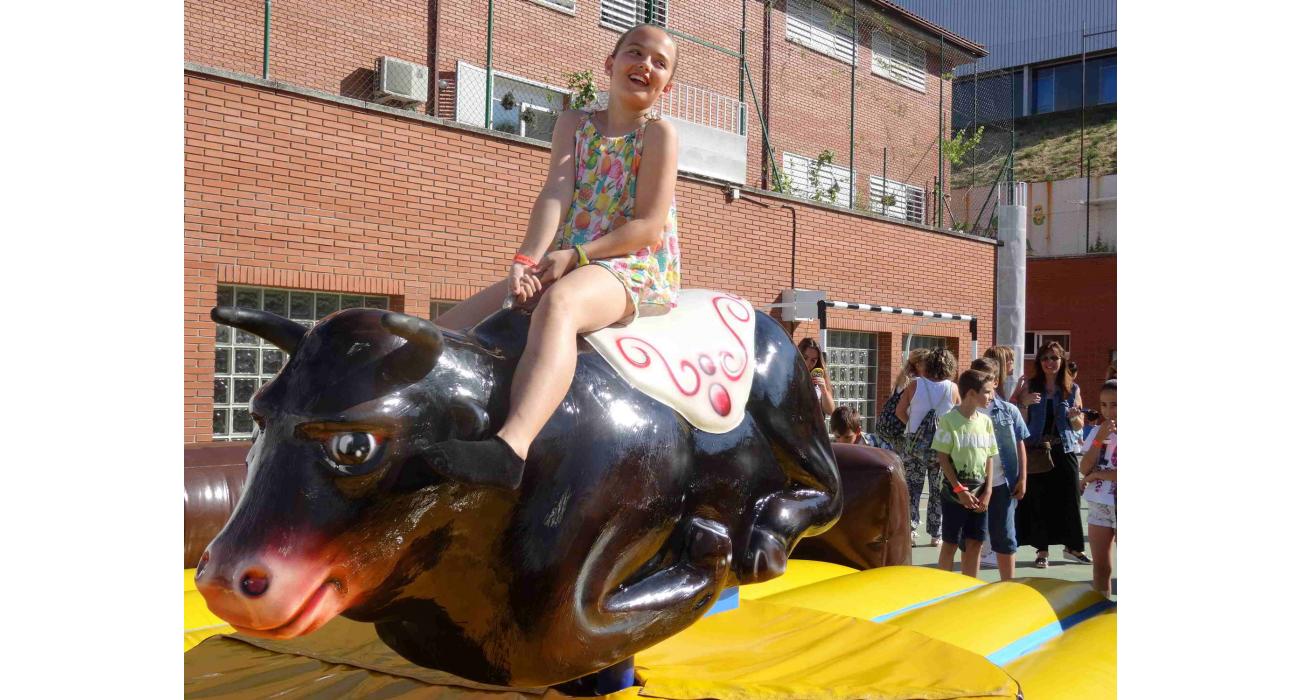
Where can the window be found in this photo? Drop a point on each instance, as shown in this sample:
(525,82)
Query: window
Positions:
(625,14)
(851,361)
(439,307)
(927,342)
(245,362)
(821,28)
(820,182)
(1061,87)
(898,59)
(896,200)
(524,108)
(565,5)
(1037,339)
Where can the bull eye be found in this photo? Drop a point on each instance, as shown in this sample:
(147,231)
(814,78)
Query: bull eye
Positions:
(352,449)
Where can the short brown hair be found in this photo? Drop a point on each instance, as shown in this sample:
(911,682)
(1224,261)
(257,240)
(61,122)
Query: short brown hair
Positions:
(974,380)
(846,420)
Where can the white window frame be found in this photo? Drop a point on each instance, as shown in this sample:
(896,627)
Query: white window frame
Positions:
(622,15)
(799,168)
(472,111)
(909,200)
(1032,353)
(808,23)
(898,59)
(559,6)
(233,340)
(844,376)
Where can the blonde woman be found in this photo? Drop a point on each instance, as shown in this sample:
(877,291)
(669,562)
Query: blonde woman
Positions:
(925,400)
(888,426)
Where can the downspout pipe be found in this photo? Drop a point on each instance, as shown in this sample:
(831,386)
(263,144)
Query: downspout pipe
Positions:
(266,39)
(767,87)
(794,241)
(434,24)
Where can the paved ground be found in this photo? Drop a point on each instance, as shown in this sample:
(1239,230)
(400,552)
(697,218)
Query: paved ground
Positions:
(1059,567)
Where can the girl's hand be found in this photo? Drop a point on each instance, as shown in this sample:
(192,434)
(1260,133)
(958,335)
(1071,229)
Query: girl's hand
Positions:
(984,500)
(1032,398)
(556,264)
(1019,492)
(1105,430)
(819,382)
(522,282)
(1074,412)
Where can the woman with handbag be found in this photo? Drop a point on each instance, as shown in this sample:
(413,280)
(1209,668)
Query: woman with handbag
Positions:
(888,426)
(1049,512)
(925,400)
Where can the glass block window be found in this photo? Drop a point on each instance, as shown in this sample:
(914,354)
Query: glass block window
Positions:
(852,362)
(245,362)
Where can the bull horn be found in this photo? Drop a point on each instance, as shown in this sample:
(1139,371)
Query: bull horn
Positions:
(277,330)
(423,344)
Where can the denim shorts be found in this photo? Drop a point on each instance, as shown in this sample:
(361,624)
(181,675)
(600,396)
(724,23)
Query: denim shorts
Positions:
(961,523)
(1002,520)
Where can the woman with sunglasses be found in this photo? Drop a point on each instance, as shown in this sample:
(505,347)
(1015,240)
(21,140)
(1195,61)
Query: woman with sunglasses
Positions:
(812,356)
(1049,512)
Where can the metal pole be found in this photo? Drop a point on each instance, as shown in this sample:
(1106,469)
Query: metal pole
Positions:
(266,40)
(938,188)
(1087,207)
(1083,107)
(853,104)
(740,72)
(487,92)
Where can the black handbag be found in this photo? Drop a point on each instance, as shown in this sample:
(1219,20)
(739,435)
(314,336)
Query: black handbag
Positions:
(1040,458)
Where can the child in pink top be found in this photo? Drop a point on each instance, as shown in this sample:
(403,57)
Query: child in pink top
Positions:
(1100,467)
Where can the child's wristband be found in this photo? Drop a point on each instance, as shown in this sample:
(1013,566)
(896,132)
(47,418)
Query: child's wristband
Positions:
(582,256)
(525,260)
(960,488)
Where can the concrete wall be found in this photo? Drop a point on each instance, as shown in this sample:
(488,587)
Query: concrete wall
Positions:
(1056,213)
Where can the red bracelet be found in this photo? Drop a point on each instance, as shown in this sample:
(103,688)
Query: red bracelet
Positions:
(525,260)
(960,488)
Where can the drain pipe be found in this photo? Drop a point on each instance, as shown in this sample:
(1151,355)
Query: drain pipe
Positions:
(434,24)
(794,240)
(266,39)
(767,85)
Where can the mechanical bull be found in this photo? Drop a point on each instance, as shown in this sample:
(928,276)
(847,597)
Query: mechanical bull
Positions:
(628,523)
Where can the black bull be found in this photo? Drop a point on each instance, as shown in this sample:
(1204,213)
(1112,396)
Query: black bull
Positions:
(620,535)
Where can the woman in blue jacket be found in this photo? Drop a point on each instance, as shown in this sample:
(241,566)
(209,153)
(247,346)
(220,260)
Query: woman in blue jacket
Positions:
(1049,512)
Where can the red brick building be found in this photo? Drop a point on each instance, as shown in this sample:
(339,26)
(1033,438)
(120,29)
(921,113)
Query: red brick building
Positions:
(303,197)
(1072,300)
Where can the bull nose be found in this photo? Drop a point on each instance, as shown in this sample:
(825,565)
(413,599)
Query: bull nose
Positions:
(203,564)
(254,582)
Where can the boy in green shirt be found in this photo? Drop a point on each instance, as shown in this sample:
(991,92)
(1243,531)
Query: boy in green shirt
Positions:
(965,442)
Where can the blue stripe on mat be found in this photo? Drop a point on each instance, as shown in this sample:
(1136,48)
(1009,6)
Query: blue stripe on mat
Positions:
(1038,637)
(922,604)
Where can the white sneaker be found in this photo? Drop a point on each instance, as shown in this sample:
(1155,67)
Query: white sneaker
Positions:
(989,560)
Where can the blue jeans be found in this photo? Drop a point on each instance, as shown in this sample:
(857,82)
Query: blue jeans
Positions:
(1001,520)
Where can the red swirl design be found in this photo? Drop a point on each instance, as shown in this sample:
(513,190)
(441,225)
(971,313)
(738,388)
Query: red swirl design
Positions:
(640,346)
(735,307)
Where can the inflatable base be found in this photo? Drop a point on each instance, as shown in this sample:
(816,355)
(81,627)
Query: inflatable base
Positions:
(819,631)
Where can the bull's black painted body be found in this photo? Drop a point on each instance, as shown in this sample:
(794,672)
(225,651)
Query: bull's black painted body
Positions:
(627,524)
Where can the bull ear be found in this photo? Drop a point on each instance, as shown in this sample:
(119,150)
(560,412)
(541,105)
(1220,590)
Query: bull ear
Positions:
(277,330)
(423,345)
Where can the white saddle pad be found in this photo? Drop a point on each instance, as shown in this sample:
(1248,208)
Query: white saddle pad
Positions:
(697,358)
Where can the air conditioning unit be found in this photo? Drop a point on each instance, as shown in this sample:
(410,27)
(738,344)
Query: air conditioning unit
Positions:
(399,82)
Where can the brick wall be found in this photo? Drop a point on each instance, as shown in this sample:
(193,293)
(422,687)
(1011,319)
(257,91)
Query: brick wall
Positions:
(299,192)
(1076,294)
(332,46)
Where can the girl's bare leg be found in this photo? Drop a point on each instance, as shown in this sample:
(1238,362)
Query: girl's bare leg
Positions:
(946,554)
(1099,541)
(1006,566)
(476,308)
(970,558)
(587,299)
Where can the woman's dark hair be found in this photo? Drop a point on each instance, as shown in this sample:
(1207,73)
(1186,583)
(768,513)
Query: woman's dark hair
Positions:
(811,343)
(1110,385)
(846,420)
(1064,378)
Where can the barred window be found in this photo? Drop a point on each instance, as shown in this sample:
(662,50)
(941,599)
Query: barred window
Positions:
(928,342)
(897,200)
(898,59)
(244,362)
(821,28)
(625,14)
(821,182)
(438,307)
(852,362)
(569,5)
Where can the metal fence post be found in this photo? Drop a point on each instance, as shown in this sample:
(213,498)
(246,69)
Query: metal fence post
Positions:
(487,90)
(266,39)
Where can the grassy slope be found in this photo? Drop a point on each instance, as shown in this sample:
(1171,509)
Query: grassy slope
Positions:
(1047,148)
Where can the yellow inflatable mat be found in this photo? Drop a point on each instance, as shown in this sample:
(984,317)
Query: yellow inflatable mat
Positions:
(200,623)
(767,650)
(1079,664)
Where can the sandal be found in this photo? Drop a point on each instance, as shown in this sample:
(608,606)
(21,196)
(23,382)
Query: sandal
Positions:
(1079,557)
(1040,562)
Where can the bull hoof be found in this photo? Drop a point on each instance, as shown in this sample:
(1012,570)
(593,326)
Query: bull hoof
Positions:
(767,557)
